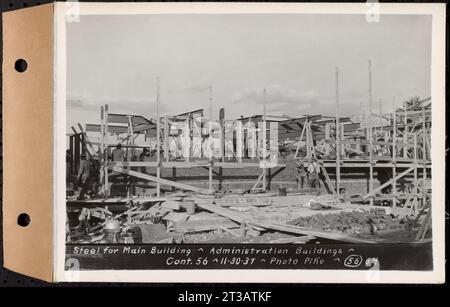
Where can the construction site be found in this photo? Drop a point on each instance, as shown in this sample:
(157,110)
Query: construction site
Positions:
(304,179)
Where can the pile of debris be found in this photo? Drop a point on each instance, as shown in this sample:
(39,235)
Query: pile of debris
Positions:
(190,218)
(355,222)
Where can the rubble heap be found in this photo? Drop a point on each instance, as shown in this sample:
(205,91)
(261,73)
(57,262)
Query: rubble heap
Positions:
(356,222)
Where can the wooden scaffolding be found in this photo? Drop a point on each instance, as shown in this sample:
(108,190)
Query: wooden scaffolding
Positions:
(399,144)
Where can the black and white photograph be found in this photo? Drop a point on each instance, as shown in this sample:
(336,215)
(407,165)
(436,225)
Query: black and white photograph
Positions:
(241,141)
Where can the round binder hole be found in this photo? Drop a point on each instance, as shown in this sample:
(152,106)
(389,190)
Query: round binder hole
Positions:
(23,220)
(21,65)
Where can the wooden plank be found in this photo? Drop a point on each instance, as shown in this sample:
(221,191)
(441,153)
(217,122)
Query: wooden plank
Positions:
(380,143)
(123,119)
(384,197)
(164,164)
(353,150)
(258,181)
(112,129)
(402,174)
(237,217)
(205,224)
(280,227)
(302,239)
(310,232)
(327,179)
(412,195)
(425,224)
(183,164)
(246,164)
(362,165)
(229,231)
(90,155)
(159,180)
(417,112)
(300,139)
(261,201)
(86,139)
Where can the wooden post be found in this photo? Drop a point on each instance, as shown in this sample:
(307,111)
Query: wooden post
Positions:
(158,140)
(424,153)
(71,148)
(210,176)
(337,142)
(166,138)
(415,171)
(222,133)
(239,141)
(405,133)
(311,140)
(427,138)
(327,138)
(130,138)
(102,158)
(130,141)
(106,153)
(415,149)
(371,164)
(210,103)
(394,159)
(188,121)
(247,139)
(210,170)
(370,87)
(308,141)
(264,136)
(424,140)
(76,155)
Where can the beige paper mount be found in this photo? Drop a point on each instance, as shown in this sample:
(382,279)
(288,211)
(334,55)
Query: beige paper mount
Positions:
(27,127)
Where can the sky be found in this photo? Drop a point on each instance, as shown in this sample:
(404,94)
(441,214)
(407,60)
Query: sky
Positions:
(116,60)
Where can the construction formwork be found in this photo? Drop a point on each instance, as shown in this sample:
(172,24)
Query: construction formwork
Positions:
(152,129)
(397,144)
